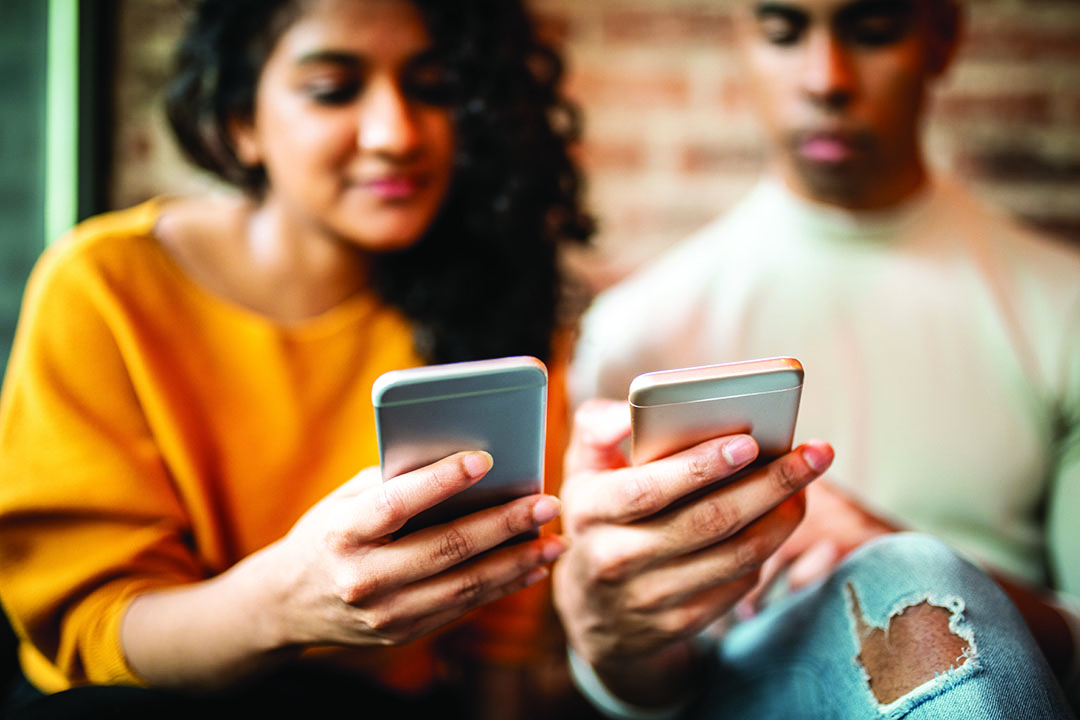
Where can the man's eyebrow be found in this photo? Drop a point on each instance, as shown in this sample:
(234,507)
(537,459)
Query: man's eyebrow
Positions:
(884,7)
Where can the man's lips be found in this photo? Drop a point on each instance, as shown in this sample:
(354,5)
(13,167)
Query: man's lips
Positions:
(827,147)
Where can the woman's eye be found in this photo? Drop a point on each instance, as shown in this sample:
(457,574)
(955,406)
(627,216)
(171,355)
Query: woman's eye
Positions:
(336,93)
(429,84)
(780,30)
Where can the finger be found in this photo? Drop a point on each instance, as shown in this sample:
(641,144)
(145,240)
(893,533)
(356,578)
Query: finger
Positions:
(726,511)
(771,572)
(384,508)
(434,550)
(366,479)
(633,493)
(814,564)
(690,618)
(447,596)
(682,577)
(600,426)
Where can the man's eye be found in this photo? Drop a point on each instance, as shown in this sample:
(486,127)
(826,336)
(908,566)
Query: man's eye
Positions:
(877,30)
(780,30)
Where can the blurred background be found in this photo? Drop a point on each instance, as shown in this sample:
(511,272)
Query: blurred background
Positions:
(669,140)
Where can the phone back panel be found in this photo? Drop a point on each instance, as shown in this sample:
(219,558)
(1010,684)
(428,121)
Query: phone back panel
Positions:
(499,406)
(674,410)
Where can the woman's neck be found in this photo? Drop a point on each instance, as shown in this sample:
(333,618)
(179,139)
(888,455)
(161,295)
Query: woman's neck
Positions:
(253,255)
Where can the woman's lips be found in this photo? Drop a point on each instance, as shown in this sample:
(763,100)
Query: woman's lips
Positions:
(393,187)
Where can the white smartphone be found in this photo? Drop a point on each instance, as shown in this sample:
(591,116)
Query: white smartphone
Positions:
(425,414)
(672,410)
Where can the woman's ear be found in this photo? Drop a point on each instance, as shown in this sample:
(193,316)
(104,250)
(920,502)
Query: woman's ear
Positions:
(244,142)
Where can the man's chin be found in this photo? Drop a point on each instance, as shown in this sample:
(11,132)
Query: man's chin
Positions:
(844,184)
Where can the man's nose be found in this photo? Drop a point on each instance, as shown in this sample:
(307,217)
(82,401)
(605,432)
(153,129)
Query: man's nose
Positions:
(828,72)
(387,124)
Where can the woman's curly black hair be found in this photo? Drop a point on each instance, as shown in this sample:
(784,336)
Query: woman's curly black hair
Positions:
(484,280)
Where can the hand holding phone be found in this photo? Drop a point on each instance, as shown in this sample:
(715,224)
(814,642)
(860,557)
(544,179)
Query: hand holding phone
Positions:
(425,414)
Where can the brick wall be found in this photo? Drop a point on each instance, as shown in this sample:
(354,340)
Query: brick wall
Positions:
(670,141)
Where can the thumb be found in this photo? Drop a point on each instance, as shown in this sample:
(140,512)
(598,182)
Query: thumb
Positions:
(600,426)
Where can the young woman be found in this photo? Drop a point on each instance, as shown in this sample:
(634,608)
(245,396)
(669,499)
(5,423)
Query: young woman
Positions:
(189,394)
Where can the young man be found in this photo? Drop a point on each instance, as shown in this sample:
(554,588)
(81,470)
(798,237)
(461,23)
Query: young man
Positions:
(942,352)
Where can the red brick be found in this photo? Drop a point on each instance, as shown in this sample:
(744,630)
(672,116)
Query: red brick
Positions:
(617,89)
(664,27)
(721,159)
(1006,107)
(1020,165)
(1015,44)
(553,27)
(613,155)
(1067,228)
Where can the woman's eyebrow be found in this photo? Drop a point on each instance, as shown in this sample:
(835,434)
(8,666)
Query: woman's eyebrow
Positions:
(329,57)
(778,9)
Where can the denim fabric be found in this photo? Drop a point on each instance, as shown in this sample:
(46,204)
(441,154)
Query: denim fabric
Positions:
(798,658)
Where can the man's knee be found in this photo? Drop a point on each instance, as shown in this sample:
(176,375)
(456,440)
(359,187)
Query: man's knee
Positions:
(918,644)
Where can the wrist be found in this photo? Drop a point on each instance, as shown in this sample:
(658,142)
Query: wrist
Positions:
(657,687)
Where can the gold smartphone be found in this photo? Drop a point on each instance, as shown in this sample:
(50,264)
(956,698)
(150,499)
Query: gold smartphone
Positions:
(672,410)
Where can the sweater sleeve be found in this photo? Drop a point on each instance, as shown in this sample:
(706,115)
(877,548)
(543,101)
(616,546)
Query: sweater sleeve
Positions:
(88,516)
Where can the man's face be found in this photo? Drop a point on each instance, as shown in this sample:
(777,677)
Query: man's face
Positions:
(840,87)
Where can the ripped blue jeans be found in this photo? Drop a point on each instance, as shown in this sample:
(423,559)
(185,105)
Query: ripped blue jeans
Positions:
(823,653)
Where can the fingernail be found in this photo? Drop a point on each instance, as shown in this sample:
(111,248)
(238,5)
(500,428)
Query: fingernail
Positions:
(554,547)
(477,463)
(739,450)
(546,509)
(818,455)
(536,576)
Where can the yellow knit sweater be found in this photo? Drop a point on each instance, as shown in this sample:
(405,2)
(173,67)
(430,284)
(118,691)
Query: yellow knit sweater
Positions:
(153,434)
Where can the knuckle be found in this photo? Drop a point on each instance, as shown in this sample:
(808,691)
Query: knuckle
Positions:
(788,475)
(715,518)
(389,504)
(751,552)
(519,520)
(354,590)
(610,564)
(678,622)
(382,622)
(700,469)
(470,589)
(454,546)
(642,496)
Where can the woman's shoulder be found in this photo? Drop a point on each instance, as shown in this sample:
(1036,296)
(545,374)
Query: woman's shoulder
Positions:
(99,248)
(122,246)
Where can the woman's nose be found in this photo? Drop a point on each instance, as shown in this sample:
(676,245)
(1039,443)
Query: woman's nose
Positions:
(387,124)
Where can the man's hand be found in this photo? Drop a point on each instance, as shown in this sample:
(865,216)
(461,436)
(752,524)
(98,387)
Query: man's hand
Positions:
(834,526)
(647,570)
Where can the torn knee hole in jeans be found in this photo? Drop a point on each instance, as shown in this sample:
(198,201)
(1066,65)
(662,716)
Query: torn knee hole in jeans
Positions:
(923,642)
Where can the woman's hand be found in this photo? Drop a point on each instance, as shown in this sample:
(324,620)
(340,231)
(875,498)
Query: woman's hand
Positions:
(339,578)
(353,585)
(644,573)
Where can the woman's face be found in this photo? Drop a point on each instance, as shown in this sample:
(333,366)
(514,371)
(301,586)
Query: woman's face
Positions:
(351,124)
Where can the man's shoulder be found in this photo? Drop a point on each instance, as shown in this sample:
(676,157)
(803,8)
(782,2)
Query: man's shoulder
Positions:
(1023,246)
(692,261)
